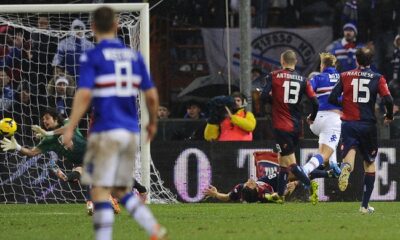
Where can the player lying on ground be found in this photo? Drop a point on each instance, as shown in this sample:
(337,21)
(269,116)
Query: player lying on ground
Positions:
(263,190)
(51,140)
(327,123)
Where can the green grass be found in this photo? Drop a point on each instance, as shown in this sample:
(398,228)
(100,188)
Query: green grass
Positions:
(211,221)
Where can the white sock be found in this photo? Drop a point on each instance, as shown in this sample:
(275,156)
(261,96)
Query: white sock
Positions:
(333,158)
(103,219)
(311,165)
(140,212)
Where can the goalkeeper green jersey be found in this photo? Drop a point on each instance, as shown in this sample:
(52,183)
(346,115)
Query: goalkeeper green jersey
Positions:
(54,143)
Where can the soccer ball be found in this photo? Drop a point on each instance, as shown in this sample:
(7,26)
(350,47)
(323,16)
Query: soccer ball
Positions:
(8,127)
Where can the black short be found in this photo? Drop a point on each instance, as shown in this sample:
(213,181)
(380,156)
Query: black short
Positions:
(286,141)
(361,135)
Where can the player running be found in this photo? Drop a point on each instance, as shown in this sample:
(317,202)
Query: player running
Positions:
(327,124)
(360,88)
(51,140)
(111,76)
(288,87)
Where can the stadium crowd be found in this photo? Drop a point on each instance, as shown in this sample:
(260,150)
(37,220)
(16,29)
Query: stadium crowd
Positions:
(40,70)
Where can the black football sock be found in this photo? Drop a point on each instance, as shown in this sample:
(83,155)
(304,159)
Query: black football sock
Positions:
(369,180)
(282,180)
(300,175)
(317,173)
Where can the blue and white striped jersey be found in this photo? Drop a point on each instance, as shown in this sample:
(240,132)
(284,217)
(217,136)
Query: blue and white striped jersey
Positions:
(114,73)
(323,84)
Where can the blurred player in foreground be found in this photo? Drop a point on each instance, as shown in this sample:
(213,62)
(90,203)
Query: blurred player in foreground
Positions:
(327,124)
(51,140)
(360,88)
(287,88)
(111,76)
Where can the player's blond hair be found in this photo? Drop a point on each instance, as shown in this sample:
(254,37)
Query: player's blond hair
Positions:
(328,59)
(289,57)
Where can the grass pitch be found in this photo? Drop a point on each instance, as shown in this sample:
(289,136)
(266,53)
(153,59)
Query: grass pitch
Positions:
(211,221)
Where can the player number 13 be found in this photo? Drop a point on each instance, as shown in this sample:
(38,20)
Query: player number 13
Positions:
(292,90)
(360,86)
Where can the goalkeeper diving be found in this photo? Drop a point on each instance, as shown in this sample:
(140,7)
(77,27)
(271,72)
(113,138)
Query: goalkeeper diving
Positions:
(51,140)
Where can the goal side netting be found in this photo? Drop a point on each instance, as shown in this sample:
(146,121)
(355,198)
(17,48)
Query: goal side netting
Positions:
(40,47)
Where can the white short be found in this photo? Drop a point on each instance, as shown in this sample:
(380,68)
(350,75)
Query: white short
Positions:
(327,125)
(110,159)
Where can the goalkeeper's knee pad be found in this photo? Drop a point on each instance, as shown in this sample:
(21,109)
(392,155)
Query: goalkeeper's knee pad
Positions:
(73,176)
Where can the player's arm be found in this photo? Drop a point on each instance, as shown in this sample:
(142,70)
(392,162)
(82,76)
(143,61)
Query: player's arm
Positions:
(152,104)
(12,144)
(314,102)
(386,99)
(40,132)
(82,97)
(212,191)
(265,93)
(80,105)
(335,96)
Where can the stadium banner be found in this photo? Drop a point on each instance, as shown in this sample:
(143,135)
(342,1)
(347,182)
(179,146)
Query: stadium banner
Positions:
(188,167)
(267,45)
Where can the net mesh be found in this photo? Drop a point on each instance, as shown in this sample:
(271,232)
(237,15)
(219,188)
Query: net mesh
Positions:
(35,51)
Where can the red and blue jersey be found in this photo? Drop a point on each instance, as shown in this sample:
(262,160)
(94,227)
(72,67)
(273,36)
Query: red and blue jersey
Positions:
(360,88)
(322,85)
(287,88)
(115,74)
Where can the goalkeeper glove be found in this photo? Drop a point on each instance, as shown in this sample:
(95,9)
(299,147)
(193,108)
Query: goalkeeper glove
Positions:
(40,132)
(7,144)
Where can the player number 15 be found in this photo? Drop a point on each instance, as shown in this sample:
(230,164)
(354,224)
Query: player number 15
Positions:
(360,86)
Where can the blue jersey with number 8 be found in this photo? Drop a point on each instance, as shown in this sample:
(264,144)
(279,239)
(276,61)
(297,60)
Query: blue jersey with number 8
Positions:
(114,73)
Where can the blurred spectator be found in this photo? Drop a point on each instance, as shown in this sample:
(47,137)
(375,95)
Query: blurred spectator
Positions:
(6,91)
(60,91)
(233,124)
(163,112)
(44,46)
(22,112)
(257,84)
(344,49)
(70,49)
(19,55)
(385,24)
(193,111)
(192,127)
(257,80)
(396,58)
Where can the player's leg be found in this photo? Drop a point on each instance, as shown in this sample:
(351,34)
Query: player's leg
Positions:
(349,143)
(100,169)
(369,180)
(141,190)
(346,168)
(327,126)
(368,149)
(132,202)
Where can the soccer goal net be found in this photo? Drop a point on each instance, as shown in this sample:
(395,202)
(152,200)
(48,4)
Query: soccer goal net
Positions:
(40,47)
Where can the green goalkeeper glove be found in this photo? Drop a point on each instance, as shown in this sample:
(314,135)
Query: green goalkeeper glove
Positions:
(40,132)
(7,144)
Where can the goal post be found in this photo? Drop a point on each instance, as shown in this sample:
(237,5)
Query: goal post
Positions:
(134,17)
